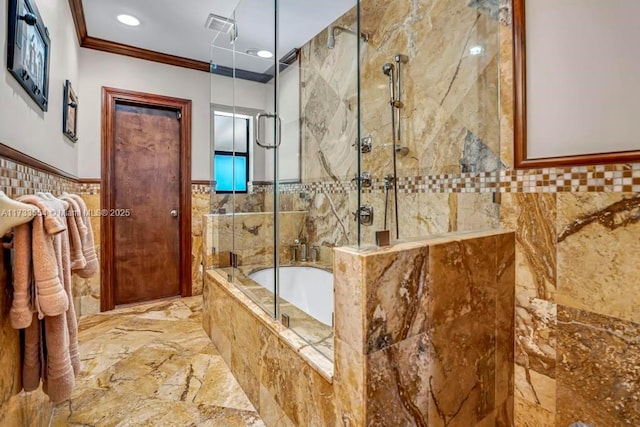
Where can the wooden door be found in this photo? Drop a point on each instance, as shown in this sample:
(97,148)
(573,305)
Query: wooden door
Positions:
(146,200)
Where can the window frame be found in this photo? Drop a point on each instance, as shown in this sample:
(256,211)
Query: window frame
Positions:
(246,155)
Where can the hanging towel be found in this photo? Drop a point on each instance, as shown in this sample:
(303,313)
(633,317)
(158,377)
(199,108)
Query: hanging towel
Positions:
(22,309)
(88,247)
(76,227)
(32,367)
(63,246)
(50,296)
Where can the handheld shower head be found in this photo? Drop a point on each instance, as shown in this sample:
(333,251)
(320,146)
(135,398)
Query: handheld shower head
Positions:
(388,68)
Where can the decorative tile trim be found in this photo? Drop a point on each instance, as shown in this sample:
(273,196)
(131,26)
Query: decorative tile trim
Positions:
(200,189)
(602,178)
(18,180)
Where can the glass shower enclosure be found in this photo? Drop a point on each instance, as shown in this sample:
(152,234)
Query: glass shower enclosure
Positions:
(285,126)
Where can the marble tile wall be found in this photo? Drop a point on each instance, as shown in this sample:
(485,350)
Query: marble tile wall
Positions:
(249,236)
(576,283)
(438,328)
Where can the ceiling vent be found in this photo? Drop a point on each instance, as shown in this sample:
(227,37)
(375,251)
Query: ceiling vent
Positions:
(223,25)
(219,23)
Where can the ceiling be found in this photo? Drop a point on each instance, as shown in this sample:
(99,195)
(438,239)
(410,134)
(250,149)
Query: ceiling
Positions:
(177,27)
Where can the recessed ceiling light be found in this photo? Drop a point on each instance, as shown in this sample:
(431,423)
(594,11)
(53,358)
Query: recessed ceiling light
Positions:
(129,20)
(475,50)
(264,54)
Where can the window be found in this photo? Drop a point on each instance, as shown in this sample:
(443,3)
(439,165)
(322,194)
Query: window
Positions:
(231,156)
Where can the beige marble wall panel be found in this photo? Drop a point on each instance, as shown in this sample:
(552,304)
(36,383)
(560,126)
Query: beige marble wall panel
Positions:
(250,236)
(599,280)
(397,393)
(300,391)
(246,337)
(398,294)
(533,216)
(238,202)
(505,323)
(349,299)
(464,287)
(465,271)
(598,378)
(349,384)
(506,87)
(328,222)
(476,211)
(200,204)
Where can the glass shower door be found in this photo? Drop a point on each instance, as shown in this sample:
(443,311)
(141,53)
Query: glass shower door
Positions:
(245,135)
(291,108)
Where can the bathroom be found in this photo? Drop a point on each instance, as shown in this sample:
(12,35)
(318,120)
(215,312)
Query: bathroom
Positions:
(427,98)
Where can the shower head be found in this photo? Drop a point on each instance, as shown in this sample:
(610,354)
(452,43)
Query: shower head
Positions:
(387,69)
(331,39)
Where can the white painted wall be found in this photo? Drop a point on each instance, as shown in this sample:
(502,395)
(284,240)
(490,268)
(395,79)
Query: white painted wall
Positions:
(583,76)
(98,69)
(23,125)
(289,111)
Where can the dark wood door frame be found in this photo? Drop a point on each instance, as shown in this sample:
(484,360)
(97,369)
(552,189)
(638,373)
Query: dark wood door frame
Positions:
(110,96)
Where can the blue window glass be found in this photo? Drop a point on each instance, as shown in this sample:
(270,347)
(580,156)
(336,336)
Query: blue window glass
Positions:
(228,178)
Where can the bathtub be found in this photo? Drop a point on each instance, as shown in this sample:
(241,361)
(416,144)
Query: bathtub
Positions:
(308,288)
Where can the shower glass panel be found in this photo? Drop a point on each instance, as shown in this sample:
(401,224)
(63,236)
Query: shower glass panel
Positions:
(430,106)
(285,122)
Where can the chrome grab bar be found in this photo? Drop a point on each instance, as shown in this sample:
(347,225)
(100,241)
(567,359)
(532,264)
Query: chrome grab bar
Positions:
(278,130)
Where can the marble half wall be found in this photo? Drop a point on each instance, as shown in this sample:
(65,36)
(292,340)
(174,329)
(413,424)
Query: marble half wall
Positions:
(397,312)
(437,343)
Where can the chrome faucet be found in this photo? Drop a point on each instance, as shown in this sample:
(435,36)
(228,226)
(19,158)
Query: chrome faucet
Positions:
(303,248)
(294,253)
(315,253)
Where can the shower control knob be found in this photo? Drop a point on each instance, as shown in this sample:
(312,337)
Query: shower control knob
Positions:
(174,213)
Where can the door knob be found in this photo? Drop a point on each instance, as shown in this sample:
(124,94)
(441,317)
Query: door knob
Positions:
(174,213)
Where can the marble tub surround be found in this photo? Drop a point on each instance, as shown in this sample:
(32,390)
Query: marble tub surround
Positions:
(288,382)
(152,364)
(396,311)
(315,333)
(438,325)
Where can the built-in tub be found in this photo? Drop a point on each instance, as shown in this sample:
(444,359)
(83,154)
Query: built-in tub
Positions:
(308,288)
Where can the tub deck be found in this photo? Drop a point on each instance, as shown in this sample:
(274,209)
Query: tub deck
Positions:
(316,333)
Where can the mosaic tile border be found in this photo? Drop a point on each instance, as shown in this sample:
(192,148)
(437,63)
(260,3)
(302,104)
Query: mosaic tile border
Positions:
(17,180)
(601,178)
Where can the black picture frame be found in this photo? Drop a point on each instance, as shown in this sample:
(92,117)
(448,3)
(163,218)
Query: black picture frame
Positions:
(28,50)
(70,112)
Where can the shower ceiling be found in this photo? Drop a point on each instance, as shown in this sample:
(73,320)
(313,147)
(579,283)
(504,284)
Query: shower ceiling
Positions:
(177,27)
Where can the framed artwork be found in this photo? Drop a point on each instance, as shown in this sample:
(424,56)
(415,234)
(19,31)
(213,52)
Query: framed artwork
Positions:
(28,50)
(70,112)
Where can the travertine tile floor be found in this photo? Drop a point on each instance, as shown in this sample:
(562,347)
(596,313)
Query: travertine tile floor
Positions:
(153,365)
